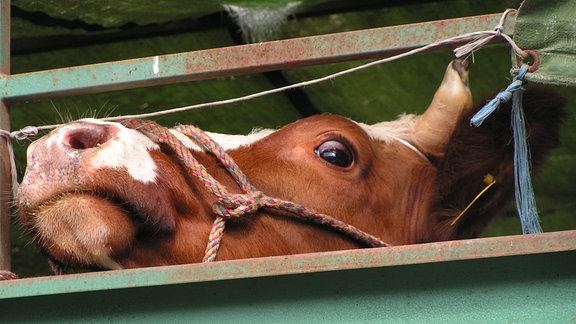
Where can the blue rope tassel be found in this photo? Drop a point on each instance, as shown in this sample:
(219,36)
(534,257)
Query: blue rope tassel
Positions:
(525,202)
(503,96)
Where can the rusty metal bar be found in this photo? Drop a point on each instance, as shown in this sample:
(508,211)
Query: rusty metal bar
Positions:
(537,288)
(294,264)
(236,60)
(5,259)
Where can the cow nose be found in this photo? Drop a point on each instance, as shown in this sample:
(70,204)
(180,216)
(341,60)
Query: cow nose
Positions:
(87,135)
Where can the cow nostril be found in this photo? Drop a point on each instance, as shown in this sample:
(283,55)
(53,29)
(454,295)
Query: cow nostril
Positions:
(76,143)
(87,137)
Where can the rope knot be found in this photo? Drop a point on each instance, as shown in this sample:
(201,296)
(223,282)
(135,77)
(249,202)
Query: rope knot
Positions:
(25,132)
(503,96)
(7,275)
(239,205)
(498,30)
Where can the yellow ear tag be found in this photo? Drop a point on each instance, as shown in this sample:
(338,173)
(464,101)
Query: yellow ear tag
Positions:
(489,181)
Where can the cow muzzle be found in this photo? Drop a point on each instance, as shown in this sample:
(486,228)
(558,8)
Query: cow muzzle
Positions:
(71,198)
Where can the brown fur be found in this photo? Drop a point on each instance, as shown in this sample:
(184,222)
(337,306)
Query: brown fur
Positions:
(474,152)
(389,192)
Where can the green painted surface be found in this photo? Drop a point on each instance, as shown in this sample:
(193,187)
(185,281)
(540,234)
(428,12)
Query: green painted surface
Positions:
(112,13)
(538,288)
(548,27)
(231,61)
(5,257)
(294,264)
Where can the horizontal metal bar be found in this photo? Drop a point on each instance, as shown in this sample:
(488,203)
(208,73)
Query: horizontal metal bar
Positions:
(236,60)
(536,288)
(294,264)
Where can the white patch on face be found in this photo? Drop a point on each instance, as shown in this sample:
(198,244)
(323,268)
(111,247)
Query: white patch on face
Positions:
(228,142)
(389,131)
(128,150)
(400,130)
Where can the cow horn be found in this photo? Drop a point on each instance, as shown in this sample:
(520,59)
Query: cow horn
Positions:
(434,128)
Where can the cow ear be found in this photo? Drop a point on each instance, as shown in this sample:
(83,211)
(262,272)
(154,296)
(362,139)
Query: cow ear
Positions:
(475,153)
(434,128)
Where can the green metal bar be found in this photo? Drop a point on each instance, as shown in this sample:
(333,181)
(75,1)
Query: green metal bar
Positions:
(295,264)
(371,286)
(506,279)
(5,260)
(228,61)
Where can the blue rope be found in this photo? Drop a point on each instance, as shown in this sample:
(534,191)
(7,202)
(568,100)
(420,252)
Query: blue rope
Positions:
(525,202)
(503,96)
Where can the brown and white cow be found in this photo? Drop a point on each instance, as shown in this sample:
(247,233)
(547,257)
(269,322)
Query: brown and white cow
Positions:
(99,195)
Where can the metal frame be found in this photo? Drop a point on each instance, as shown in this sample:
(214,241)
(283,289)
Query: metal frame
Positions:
(504,279)
(4,124)
(236,60)
(523,277)
(293,264)
(205,64)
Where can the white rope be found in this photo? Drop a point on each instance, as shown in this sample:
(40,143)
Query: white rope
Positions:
(477,40)
(484,37)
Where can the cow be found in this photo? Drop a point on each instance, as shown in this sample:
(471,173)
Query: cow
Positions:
(101,195)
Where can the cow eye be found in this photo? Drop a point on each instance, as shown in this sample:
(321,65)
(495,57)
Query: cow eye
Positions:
(335,153)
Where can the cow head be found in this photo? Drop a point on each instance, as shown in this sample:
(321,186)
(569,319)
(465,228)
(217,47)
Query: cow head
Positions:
(97,194)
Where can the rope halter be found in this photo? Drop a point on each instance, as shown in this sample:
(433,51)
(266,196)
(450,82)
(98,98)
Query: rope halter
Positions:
(239,205)
(236,205)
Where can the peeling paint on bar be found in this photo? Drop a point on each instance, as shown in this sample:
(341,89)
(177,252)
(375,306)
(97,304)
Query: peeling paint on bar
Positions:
(237,60)
(156,65)
(294,264)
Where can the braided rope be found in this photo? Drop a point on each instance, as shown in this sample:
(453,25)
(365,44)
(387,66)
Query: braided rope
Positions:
(501,97)
(7,275)
(57,268)
(237,205)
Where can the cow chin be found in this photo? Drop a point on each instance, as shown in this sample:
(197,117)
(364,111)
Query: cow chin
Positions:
(82,229)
